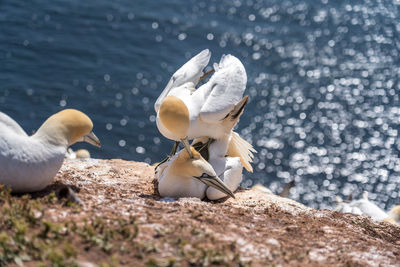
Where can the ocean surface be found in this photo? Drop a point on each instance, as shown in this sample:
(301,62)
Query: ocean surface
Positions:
(323,81)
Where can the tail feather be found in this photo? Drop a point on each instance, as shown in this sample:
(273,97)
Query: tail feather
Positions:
(238,147)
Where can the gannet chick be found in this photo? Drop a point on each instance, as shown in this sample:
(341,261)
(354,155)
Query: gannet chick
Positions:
(206,106)
(186,176)
(29,163)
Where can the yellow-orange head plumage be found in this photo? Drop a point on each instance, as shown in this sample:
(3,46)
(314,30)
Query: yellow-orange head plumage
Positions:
(174,115)
(68,125)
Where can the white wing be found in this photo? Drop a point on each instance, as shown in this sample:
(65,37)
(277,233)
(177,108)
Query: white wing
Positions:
(370,209)
(6,121)
(191,71)
(223,90)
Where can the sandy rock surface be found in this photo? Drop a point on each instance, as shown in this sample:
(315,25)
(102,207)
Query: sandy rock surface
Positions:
(255,229)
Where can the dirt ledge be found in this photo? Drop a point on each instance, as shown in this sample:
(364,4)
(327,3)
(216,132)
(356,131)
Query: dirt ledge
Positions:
(131,226)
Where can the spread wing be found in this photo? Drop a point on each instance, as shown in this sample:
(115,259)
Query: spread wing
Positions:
(6,121)
(224,89)
(191,71)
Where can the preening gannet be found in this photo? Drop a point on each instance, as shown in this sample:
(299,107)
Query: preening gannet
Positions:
(206,106)
(186,176)
(29,163)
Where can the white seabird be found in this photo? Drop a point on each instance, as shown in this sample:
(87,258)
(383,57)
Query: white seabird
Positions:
(206,106)
(29,163)
(365,207)
(369,208)
(188,176)
(229,154)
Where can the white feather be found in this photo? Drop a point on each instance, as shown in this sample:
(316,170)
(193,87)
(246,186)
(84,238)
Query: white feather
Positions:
(191,72)
(27,163)
(210,103)
(370,209)
(7,123)
(223,90)
(362,207)
(229,170)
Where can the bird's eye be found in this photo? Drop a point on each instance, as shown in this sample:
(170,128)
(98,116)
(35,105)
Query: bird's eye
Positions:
(205,175)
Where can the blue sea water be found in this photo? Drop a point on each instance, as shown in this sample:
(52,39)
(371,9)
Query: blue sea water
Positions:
(323,81)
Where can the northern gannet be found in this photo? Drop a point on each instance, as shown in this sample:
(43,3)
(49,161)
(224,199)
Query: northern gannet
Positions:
(369,208)
(190,72)
(365,207)
(29,163)
(206,106)
(228,154)
(187,176)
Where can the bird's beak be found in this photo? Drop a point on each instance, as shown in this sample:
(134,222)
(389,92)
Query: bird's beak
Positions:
(92,139)
(215,182)
(206,74)
(187,146)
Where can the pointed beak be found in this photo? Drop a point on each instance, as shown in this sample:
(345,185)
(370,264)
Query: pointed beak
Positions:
(206,74)
(92,139)
(215,182)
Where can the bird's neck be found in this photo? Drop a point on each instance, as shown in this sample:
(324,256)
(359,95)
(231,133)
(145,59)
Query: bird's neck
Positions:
(219,147)
(177,181)
(51,134)
(177,170)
